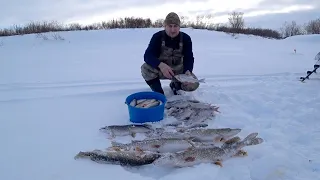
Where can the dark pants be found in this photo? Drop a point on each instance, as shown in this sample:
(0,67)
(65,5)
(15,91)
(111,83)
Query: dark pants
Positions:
(155,86)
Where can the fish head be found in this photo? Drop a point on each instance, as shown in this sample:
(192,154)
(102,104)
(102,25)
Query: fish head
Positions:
(107,131)
(84,155)
(80,155)
(165,159)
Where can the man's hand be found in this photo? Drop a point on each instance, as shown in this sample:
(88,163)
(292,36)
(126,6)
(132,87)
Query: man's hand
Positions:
(166,70)
(188,72)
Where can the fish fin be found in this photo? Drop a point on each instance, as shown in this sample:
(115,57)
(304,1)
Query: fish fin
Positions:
(202,80)
(110,148)
(110,137)
(219,163)
(250,136)
(156,146)
(149,126)
(256,141)
(175,124)
(250,140)
(141,155)
(192,139)
(116,148)
(139,150)
(218,139)
(181,129)
(190,159)
(241,153)
(232,140)
(133,134)
(114,143)
(191,142)
(216,109)
(159,131)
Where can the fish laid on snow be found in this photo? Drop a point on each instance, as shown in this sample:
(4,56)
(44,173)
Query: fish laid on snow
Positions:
(125,130)
(167,135)
(192,126)
(190,111)
(210,154)
(215,135)
(228,142)
(123,158)
(154,145)
(193,104)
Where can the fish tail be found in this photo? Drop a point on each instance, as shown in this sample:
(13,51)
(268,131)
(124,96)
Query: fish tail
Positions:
(149,126)
(203,80)
(189,140)
(181,129)
(250,140)
(117,144)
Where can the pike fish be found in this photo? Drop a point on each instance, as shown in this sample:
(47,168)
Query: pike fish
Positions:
(211,154)
(154,145)
(191,112)
(215,135)
(125,130)
(193,126)
(213,144)
(193,104)
(167,135)
(123,158)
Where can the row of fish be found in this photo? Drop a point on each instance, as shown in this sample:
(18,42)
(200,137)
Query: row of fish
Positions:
(190,112)
(178,141)
(113,131)
(189,144)
(171,151)
(132,130)
(145,103)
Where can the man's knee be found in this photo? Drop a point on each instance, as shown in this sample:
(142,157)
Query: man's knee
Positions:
(149,73)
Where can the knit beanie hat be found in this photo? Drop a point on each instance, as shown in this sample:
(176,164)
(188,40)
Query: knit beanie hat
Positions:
(172,18)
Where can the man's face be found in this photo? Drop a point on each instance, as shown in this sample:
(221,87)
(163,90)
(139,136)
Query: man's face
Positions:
(172,30)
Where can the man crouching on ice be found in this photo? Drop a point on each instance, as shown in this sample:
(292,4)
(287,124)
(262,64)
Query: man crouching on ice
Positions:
(169,53)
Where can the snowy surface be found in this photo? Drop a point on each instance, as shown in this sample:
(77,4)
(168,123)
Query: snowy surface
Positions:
(56,94)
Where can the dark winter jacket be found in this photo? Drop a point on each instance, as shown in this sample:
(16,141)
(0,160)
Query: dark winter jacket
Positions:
(153,50)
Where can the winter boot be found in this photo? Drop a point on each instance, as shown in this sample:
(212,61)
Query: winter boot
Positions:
(175,87)
(155,85)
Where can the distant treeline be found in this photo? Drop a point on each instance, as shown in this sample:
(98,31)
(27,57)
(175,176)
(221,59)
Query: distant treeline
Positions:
(235,25)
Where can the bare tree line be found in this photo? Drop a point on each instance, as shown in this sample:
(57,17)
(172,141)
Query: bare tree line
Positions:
(235,25)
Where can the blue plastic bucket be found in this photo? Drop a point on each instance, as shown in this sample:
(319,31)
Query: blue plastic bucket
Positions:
(143,115)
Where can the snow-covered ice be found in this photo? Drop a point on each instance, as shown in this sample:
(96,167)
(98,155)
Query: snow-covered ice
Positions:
(56,94)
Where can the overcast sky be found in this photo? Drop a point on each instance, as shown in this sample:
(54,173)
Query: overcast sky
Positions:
(259,13)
